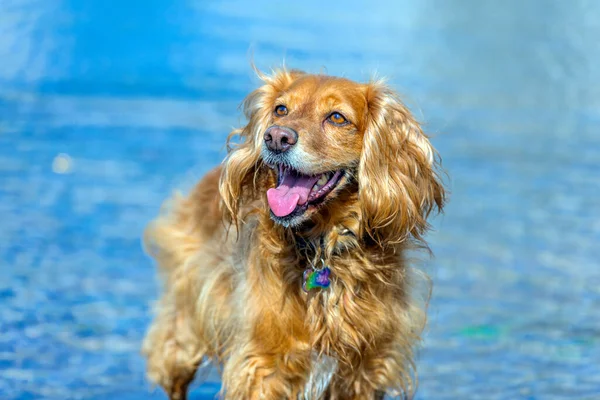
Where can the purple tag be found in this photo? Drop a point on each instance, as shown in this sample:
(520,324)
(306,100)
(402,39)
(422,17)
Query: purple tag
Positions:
(316,279)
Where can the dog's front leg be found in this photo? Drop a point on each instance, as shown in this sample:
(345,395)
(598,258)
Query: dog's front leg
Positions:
(374,374)
(172,360)
(272,356)
(256,372)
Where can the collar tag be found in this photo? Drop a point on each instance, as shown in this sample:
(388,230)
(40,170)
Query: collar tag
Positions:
(316,278)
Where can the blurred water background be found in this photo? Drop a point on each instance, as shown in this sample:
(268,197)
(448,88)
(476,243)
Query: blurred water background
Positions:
(106,107)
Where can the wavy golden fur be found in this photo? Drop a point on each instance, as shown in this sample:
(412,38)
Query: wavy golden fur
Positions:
(232,270)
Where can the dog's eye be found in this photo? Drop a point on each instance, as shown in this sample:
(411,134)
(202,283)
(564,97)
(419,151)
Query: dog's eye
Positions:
(337,119)
(281,110)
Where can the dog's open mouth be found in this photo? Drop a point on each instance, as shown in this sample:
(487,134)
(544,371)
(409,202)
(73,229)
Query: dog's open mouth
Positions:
(296,191)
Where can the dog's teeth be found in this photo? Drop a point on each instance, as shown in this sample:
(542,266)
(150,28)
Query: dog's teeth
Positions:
(323,180)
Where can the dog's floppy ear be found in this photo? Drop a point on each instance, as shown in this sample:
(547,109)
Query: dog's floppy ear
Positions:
(239,177)
(398,181)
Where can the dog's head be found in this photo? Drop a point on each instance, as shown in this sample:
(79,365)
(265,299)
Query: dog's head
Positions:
(317,141)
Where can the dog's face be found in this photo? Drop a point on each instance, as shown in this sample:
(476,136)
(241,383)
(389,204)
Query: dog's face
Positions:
(313,141)
(321,135)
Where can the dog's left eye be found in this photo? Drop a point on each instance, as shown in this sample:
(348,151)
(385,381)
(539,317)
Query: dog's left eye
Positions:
(337,119)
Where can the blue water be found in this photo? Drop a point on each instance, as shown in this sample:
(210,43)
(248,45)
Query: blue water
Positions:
(107,107)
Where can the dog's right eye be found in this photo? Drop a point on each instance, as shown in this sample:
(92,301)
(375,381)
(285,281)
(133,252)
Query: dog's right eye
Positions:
(281,110)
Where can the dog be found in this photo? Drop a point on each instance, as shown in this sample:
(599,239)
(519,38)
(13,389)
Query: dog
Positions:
(287,265)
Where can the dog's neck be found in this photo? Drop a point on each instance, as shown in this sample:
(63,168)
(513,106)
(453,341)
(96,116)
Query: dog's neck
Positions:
(326,238)
(334,228)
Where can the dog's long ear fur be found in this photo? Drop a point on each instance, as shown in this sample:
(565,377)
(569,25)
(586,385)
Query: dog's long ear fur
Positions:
(398,177)
(241,168)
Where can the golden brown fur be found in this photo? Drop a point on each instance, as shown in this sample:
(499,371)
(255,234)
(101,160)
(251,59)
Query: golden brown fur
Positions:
(233,275)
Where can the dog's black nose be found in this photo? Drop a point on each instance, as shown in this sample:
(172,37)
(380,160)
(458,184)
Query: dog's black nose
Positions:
(280,138)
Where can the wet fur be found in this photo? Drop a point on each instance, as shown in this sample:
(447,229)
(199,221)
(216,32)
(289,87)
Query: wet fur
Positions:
(232,276)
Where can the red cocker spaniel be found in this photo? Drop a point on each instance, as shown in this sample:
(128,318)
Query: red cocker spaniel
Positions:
(286,265)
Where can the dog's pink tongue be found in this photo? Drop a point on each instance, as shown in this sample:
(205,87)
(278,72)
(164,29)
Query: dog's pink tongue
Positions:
(291,192)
